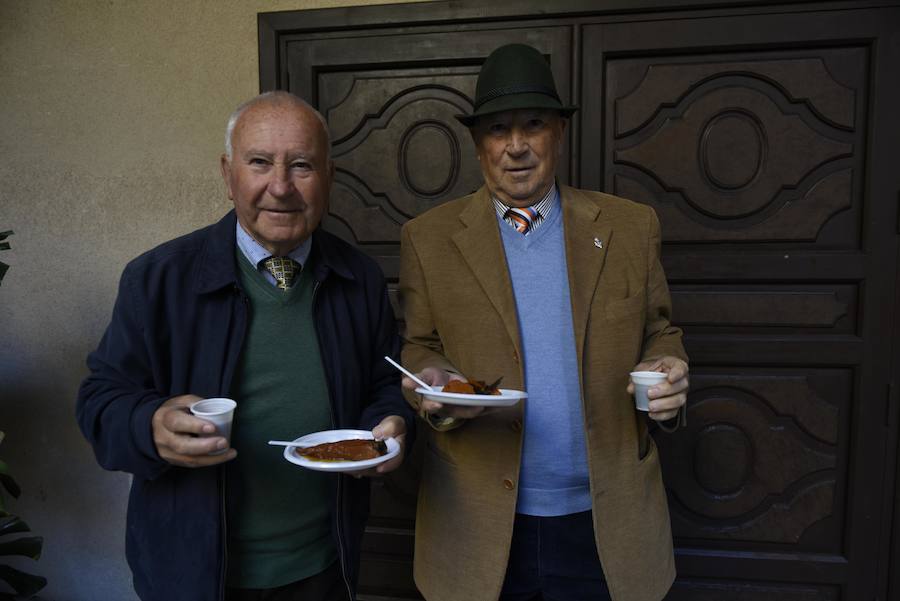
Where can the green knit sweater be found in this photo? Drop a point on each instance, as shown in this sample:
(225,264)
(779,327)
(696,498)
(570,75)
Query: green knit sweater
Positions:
(280,532)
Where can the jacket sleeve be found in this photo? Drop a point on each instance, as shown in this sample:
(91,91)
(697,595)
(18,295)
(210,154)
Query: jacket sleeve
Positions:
(385,396)
(422,346)
(116,401)
(661,338)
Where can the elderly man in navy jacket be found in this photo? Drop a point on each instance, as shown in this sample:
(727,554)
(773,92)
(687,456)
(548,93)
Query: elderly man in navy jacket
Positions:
(292,323)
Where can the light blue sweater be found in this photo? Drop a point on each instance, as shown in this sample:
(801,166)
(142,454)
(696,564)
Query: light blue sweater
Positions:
(554,475)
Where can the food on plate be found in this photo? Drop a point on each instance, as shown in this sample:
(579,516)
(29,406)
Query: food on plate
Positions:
(472,387)
(354,449)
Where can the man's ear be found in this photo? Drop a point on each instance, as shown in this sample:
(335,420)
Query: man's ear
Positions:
(225,166)
(563,122)
(475,132)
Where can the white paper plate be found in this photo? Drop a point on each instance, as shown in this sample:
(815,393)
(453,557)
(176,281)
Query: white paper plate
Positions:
(506,398)
(393,447)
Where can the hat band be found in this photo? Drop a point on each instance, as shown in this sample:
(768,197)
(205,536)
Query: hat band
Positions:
(510,90)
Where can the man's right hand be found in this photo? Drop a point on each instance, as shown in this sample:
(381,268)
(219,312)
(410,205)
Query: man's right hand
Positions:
(436,378)
(177,435)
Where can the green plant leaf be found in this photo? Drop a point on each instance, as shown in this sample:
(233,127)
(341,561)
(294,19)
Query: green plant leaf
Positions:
(27,546)
(8,482)
(24,584)
(4,246)
(12,524)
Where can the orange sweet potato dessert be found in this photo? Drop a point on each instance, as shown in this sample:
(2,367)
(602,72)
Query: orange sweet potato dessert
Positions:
(344,450)
(471,387)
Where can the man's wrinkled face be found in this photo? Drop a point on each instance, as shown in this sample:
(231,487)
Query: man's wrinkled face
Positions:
(279,175)
(518,151)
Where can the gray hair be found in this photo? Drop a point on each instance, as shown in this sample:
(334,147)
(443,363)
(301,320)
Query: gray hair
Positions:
(274,97)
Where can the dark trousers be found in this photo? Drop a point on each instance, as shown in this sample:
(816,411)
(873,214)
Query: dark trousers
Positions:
(325,586)
(554,559)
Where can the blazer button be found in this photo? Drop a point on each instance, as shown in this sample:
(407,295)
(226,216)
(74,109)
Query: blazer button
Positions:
(516,425)
(515,355)
(508,484)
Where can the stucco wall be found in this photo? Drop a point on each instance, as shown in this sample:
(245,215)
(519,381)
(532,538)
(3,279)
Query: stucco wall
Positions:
(111,119)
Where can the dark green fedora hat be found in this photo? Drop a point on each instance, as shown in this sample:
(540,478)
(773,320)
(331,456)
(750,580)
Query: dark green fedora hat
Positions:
(515,76)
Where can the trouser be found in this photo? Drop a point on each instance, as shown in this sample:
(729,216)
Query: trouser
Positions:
(324,586)
(554,559)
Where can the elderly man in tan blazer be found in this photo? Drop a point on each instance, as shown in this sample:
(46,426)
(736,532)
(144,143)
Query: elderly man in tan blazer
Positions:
(561,292)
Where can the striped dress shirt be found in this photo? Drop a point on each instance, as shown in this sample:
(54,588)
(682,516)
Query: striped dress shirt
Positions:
(542,207)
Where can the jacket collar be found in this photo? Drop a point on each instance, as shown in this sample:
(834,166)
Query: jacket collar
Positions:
(217,267)
(480,245)
(327,256)
(587,239)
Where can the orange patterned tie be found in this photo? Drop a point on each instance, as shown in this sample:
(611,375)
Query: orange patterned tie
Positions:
(283,270)
(522,219)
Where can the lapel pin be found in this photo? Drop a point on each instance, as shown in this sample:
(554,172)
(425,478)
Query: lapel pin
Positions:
(598,242)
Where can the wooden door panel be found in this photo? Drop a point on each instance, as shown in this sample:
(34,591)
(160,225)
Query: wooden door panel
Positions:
(811,309)
(763,134)
(700,590)
(746,148)
(752,149)
(390,102)
(424,154)
(759,459)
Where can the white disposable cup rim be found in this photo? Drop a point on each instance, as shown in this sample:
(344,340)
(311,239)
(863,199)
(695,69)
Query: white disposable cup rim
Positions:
(648,377)
(228,406)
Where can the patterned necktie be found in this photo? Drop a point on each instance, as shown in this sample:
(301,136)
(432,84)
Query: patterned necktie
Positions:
(522,219)
(283,269)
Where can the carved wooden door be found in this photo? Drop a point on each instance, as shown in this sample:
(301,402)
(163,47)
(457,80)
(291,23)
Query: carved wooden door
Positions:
(752,132)
(748,135)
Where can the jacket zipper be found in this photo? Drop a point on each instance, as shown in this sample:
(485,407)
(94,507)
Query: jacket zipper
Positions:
(222,470)
(224,541)
(342,555)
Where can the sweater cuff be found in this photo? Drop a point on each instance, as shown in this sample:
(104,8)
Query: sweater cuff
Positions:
(679,421)
(142,434)
(440,423)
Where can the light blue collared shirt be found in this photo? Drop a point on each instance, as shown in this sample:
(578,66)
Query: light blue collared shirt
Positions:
(256,253)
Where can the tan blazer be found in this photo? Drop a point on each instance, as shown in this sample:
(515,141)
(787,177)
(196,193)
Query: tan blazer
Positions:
(461,316)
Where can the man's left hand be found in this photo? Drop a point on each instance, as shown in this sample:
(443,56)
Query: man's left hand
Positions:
(669,396)
(391,426)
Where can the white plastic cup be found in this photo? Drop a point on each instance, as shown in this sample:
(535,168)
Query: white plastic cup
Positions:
(643,380)
(220,412)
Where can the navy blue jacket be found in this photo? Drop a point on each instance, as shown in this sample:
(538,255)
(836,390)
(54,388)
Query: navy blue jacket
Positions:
(178,327)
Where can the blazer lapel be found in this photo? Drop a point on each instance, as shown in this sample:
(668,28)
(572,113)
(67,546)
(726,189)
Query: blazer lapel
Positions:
(587,242)
(480,245)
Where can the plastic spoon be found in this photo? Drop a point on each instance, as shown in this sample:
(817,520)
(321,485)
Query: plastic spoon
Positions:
(408,373)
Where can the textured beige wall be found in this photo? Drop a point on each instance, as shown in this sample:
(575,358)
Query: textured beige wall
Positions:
(111,119)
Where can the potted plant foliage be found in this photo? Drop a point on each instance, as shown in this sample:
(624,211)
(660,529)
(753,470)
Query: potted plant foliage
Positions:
(12,543)
(4,246)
